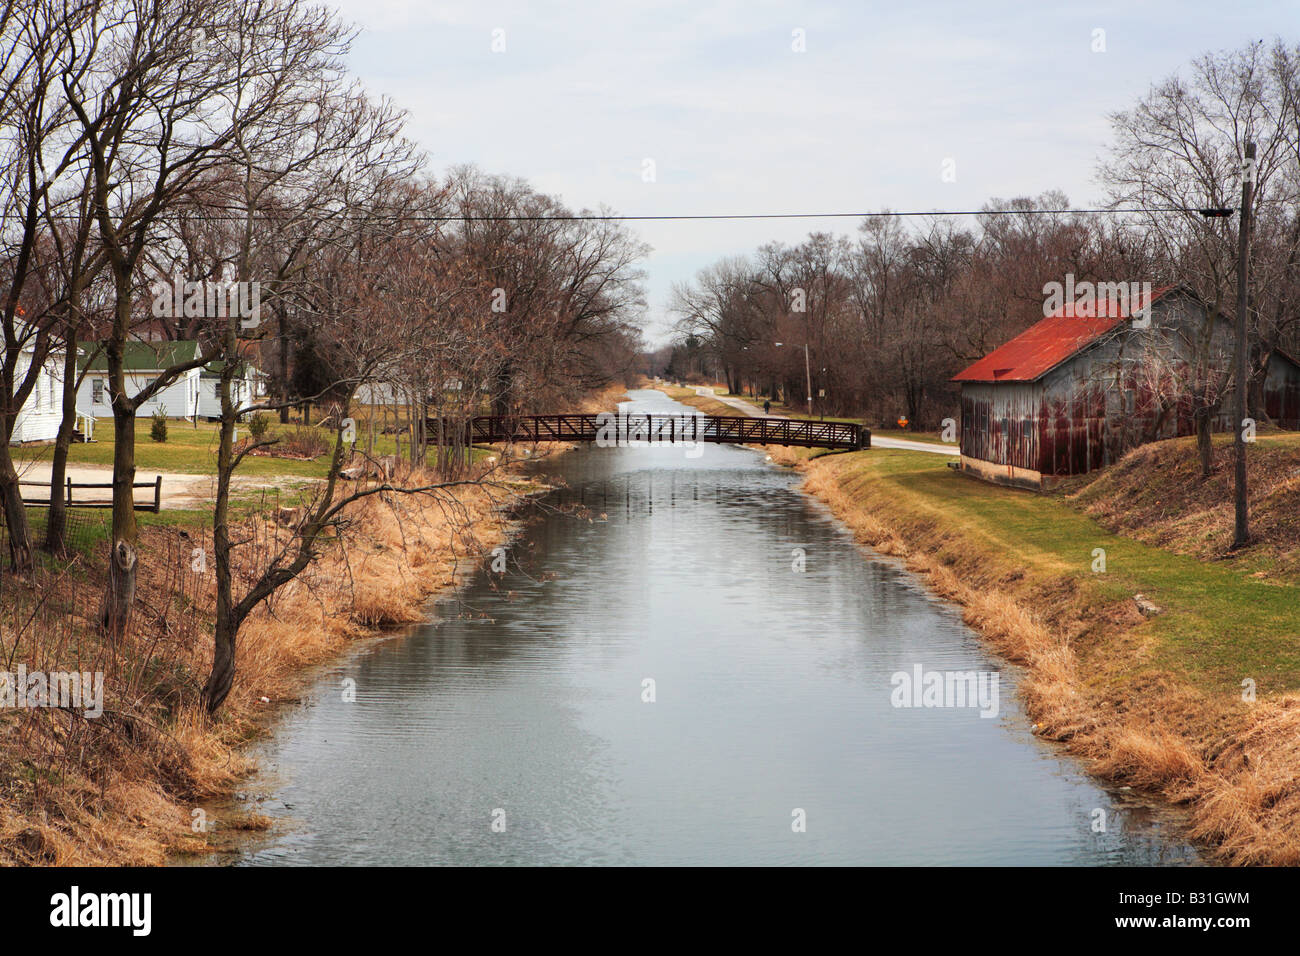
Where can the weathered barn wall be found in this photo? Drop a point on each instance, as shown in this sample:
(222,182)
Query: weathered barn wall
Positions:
(1126,388)
(999,423)
(1282,392)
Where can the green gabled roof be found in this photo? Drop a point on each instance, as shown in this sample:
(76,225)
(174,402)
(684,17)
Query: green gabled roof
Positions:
(148,356)
(214,368)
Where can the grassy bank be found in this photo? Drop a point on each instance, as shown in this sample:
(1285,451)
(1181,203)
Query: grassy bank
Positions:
(1156,701)
(688,396)
(1193,694)
(122,789)
(191,448)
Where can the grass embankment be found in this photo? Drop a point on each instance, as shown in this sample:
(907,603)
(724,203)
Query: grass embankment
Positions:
(1133,498)
(280,477)
(1153,702)
(191,449)
(121,789)
(688,396)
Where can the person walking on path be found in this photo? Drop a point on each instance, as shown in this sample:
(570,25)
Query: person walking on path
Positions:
(767,406)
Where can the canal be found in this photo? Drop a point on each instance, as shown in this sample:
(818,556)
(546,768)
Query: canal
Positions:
(703,669)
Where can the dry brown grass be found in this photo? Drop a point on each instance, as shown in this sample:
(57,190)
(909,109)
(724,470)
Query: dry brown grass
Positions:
(120,789)
(687,396)
(1250,804)
(1089,683)
(607,399)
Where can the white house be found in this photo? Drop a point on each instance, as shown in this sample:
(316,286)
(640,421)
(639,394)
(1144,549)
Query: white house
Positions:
(388,393)
(248,387)
(143,362)
(38,418)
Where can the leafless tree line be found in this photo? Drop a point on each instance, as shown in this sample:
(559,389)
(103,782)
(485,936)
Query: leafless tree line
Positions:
(891,313)
(206,141)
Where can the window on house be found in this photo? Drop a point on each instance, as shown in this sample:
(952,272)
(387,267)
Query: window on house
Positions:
(97,391)
(216,389)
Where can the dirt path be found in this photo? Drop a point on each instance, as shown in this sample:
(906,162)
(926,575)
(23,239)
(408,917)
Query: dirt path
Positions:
(179,491)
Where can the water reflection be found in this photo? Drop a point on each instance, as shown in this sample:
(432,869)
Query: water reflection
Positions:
(771,696)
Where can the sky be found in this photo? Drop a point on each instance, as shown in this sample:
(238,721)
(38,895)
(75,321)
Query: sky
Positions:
(1008,99)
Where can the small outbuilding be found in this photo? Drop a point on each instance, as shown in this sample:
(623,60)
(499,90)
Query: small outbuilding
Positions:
(1073,393)
(248,387)
(143,362)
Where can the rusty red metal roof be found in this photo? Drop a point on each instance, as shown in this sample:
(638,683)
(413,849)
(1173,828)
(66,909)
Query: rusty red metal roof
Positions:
(1047,343)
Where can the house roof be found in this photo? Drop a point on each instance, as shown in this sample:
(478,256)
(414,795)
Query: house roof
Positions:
(149,356)
(1047,343)
(213,368)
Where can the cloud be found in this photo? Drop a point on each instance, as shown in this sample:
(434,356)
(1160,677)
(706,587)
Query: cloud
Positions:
(737,121)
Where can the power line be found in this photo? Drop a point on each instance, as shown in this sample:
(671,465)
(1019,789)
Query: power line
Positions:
(1210,213)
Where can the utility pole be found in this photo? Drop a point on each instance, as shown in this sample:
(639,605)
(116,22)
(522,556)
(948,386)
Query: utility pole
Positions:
(807,371)
(1241,533)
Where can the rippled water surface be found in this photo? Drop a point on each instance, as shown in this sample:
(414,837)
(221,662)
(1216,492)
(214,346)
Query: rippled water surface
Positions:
(772,695)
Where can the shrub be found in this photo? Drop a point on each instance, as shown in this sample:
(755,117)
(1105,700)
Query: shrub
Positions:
(158,430)
(302,442)
(258,424)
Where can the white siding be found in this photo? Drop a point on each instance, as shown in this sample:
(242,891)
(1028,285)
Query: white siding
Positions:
(380,393)
(210,401)
(38,419)
(180,399)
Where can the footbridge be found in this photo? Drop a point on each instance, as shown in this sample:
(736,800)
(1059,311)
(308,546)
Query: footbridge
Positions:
(611,430)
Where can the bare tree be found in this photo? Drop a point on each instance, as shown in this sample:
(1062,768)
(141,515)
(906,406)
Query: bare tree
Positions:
(1181,146)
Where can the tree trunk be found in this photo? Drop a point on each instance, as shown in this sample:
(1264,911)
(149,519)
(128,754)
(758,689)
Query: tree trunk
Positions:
(222,676)
(56,527)
(120,592)
(1258,375)
(284,366)
(504,385)
(1204,446)
(19,532)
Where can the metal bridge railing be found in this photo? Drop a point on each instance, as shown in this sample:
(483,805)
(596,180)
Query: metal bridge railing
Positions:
(625,428)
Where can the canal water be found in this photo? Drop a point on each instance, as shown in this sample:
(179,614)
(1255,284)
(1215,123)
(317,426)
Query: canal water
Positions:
(699,670)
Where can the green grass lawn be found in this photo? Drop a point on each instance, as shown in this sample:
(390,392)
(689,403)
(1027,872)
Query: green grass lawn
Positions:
(1220,625)
(192,449)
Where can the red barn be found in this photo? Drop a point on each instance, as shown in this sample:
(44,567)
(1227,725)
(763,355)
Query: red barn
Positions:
(1073,393)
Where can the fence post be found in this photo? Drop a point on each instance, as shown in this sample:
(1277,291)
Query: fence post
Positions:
(69,492)
(157,495)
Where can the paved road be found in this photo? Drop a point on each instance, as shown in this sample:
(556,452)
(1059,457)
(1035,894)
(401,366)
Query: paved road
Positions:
(876,441)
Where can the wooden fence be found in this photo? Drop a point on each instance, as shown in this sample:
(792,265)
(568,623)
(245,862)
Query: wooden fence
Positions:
(74,502)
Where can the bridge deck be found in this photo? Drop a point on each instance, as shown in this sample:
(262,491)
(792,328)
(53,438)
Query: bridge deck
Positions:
(608,429)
